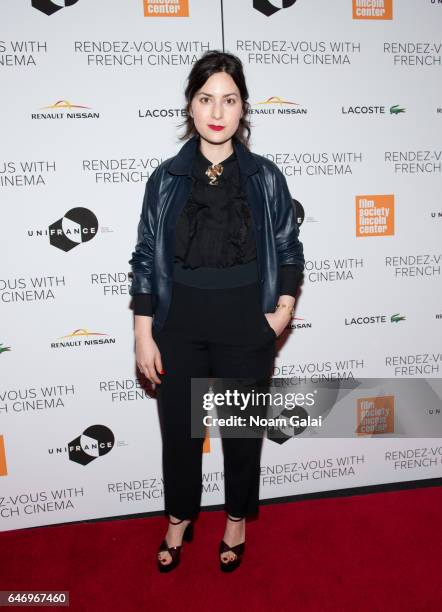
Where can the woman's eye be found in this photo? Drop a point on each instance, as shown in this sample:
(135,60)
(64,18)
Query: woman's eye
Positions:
(203,99)
(231,100)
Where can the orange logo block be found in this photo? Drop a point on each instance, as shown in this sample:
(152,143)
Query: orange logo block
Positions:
(206,443)
(372,9)
(374,215)
(375,415)
(166,8)
(3,467)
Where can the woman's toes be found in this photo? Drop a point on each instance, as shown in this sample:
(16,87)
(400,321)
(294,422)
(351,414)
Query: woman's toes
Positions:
(164,560)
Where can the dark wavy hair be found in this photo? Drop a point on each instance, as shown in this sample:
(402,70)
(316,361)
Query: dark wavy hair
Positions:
(209,63)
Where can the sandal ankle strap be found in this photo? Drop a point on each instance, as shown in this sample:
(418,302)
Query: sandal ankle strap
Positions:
(235,519)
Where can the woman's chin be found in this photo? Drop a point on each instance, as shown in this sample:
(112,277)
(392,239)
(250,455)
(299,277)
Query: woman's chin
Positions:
(216,137)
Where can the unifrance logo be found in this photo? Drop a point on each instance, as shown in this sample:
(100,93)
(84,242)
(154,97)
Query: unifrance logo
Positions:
(95,441)
(49,7)
(76,226)
(269,8)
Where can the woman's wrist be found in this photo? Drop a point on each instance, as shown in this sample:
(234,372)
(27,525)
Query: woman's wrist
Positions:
(285,306)
(143,326)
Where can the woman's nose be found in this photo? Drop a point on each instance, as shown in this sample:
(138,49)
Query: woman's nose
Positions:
(217,110)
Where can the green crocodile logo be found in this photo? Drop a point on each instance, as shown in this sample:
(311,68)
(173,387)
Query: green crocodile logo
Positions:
(396,109)
(396,318)
(3,349)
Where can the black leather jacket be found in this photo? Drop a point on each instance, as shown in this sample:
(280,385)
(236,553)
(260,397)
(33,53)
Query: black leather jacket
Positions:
(167,191)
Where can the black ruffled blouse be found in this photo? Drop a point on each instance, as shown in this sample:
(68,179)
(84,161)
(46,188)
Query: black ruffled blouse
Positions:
(215,228)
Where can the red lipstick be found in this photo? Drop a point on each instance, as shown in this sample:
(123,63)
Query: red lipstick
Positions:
(216,128)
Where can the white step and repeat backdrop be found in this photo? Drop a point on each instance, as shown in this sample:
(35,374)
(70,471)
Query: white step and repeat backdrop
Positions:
(345,98)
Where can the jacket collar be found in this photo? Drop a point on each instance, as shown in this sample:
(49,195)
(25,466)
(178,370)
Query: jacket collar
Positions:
(182,162)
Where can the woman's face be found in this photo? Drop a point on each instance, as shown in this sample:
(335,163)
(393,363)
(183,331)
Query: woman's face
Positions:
(217,105)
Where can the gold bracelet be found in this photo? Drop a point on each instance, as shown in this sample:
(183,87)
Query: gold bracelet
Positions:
(292,310)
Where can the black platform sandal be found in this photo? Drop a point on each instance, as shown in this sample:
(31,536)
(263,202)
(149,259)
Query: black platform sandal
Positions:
(238,550)
(174,551)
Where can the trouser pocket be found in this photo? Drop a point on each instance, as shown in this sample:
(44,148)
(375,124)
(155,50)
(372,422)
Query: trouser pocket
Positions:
(269,327)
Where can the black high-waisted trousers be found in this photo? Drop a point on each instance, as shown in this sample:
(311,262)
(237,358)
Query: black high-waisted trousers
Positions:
(219,332)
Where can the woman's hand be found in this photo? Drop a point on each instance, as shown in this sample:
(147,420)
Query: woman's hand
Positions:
(148,358)
(278,320)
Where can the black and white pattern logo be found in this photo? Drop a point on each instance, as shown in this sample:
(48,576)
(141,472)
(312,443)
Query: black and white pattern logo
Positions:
(49,7)
(95,441)
(269,7)
(78,225)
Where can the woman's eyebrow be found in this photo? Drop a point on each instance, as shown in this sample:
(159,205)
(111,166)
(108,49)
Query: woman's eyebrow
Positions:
(211,96)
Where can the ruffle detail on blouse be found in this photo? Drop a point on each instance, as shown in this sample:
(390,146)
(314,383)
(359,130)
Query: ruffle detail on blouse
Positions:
(218,221)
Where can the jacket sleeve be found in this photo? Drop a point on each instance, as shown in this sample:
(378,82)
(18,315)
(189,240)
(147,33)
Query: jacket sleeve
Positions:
(142,258)
(290,248)
(142,304)
(291,276)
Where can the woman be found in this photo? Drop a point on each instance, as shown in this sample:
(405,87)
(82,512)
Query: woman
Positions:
(215,274)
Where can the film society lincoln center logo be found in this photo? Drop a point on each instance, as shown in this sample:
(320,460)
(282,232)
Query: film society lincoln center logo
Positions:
(372,9)
(3,466)
(166,8)
(374,215)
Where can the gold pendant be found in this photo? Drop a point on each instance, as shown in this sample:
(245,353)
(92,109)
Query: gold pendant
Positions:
(213,172)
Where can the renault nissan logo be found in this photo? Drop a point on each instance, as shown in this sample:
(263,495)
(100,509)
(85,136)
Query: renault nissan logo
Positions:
(268,8)
(48,7)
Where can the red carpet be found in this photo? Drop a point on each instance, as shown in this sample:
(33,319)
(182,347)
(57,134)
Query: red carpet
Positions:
(377,552)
